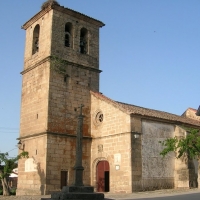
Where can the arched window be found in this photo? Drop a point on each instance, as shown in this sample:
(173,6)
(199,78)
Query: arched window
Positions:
(36,34)
(83,41)
(68,34)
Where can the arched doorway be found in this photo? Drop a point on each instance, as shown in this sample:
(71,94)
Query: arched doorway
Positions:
(103,176)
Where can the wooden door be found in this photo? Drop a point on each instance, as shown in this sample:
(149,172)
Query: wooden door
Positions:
(103,176)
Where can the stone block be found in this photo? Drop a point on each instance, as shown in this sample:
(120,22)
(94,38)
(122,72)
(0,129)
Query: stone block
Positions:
(77,196)
(75,189)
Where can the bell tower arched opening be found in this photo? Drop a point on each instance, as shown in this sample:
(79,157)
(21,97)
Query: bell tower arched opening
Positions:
(68,35)
(83,41)
(36,34)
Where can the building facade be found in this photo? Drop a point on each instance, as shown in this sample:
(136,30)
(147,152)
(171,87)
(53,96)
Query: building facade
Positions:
(120,141)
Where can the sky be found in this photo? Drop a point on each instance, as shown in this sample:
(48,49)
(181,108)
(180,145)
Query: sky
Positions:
(149,55)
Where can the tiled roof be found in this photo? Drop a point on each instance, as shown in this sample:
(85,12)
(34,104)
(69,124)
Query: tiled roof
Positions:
(146,112)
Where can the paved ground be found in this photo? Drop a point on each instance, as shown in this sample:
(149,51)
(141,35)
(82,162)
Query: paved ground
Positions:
(194,196)
(187,194)
(158,194)
(23,197)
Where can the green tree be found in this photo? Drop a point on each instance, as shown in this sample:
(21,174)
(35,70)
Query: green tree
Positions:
(9,165)
(183,146)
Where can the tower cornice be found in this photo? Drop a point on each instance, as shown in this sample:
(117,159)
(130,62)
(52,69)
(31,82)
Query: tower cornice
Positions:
(67,62)
(63,10)
(36,17)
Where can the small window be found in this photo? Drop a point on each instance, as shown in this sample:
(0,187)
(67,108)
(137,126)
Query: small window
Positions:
(36,34)
(98,117)
(66,78)
(68,34)
(83,41)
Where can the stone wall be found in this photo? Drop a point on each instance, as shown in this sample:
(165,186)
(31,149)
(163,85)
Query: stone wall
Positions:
(136,152)
(191,113)
(72,54)
(65,98)
(45,34)
(48,156)
(61,157)
(32,171)
(50,100)
(155,168)
(111,142)
(34,101)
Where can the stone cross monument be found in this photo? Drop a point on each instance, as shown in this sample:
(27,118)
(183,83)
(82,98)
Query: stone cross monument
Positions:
(78,166)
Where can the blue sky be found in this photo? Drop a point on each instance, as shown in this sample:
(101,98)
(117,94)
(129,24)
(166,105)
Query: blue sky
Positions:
(149,55)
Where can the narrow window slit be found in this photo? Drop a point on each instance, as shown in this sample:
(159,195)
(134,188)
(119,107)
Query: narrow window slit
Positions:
(66,77)
(83,41)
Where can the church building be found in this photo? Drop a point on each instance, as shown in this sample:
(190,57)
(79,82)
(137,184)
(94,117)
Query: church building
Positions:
(120,141)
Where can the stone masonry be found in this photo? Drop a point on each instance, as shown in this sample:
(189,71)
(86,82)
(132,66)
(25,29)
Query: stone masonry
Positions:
(129,138)
(120,141)
(116,145)
(50,98)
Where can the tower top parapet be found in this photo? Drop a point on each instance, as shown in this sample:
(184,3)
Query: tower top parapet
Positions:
(53,4)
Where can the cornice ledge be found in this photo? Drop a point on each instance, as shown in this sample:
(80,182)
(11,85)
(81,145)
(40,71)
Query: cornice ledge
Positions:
(78,15)
(63,10)
(36,17)
(163,120)
(67,62)
(35,65)
(51,133)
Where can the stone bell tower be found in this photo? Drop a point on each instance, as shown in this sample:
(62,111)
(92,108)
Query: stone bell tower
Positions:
(61,66)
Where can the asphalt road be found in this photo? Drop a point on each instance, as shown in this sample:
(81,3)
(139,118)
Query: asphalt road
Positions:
(195,196)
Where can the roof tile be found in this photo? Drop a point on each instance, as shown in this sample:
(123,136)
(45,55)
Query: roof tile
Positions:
(132,109)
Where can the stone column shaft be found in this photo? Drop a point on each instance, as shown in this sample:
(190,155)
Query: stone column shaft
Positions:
(78,165)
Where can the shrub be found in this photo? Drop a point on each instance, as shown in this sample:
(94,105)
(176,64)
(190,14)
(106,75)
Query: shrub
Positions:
(13,191)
